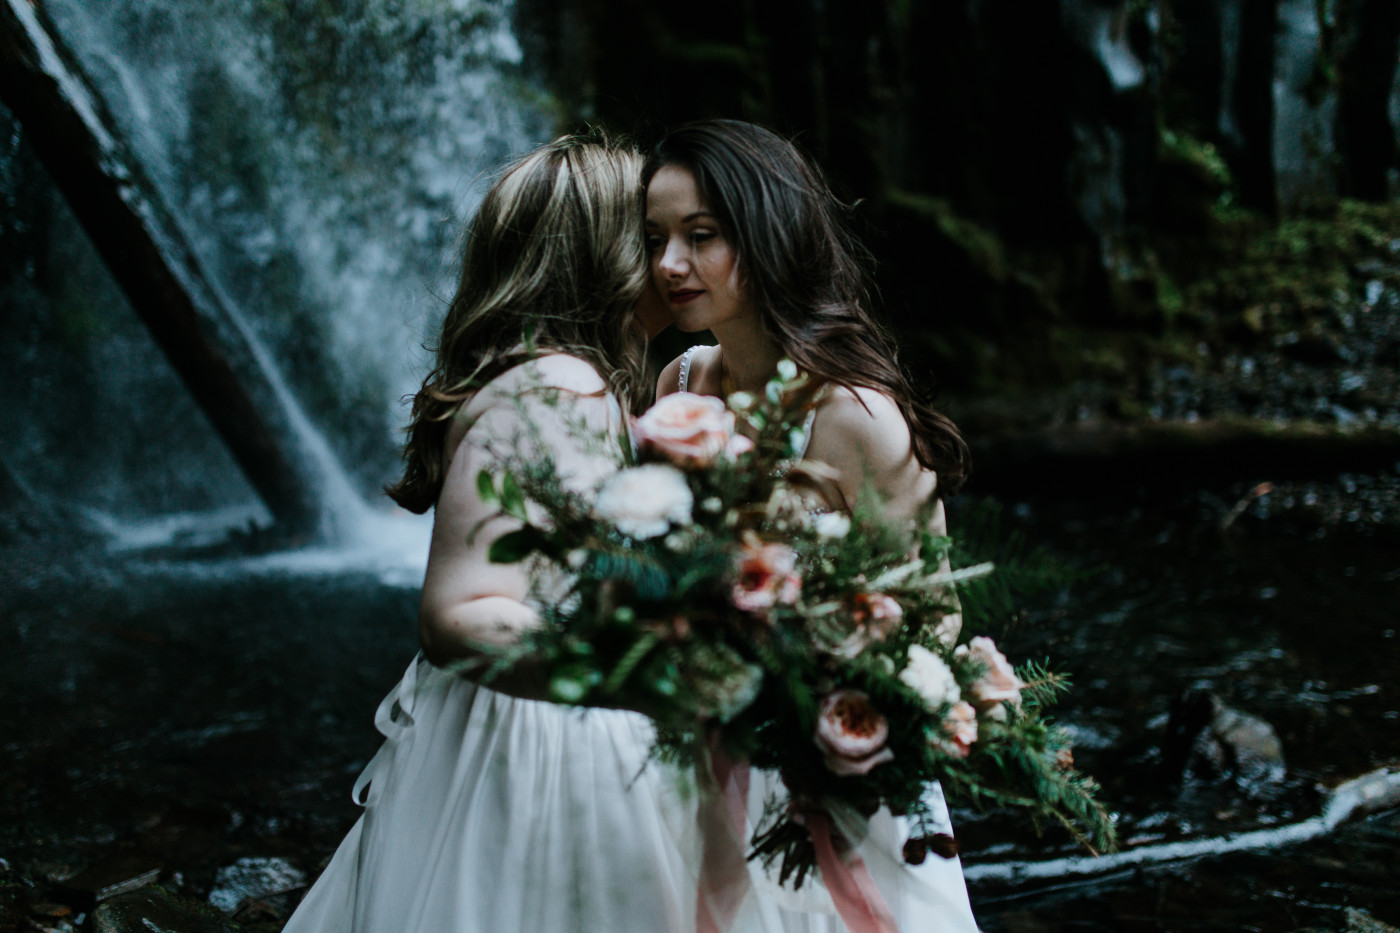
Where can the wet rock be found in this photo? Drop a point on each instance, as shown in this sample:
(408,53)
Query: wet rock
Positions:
(257,888)
(155,909)
(1207,739)
(1359,921)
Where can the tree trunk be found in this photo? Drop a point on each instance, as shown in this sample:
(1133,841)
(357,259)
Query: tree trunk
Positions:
(1365,70)
(67,127)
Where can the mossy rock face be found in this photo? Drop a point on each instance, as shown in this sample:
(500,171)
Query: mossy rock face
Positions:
(154,908)
(1274,279)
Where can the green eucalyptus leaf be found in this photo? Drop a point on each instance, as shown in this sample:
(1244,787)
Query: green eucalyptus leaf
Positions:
(514,547)
(512,499)
(486,487)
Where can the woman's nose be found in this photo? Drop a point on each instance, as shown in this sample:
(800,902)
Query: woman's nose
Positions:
(675,260)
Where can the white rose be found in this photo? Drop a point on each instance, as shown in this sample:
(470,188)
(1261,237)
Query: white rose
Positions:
(831,524)
(645,501)
(929,677)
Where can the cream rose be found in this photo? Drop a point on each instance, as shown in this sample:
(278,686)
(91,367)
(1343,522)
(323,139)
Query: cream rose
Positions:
(930,677)
(960,729)
(645,501)
(998,683)
(851,733)
(765,576)
(687,429)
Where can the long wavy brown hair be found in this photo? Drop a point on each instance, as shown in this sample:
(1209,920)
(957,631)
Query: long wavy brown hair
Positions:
(804,271)
(552,262)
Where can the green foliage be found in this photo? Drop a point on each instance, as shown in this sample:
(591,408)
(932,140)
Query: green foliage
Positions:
(989,601)
(1276,277)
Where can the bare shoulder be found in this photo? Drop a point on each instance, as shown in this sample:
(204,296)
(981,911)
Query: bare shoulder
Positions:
(862,434)
(701,365)
(669,382)
(553,372)
(862,420)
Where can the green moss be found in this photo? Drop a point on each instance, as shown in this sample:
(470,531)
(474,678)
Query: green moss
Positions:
(1201,156)
(1266,278)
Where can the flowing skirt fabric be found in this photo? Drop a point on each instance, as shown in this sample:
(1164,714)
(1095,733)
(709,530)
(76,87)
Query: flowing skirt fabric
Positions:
(484,812)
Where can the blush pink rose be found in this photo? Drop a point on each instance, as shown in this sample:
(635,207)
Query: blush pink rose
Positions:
(876,616)
(765,576)
(687,429)
(998,683)
(851,733)
(961,730)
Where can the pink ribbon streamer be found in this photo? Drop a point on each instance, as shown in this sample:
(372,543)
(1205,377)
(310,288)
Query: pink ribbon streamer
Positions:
(724,867)
(848,880)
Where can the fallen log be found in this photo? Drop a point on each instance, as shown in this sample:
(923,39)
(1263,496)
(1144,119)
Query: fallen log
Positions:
(1373,791)
(66,124)
(1095,454)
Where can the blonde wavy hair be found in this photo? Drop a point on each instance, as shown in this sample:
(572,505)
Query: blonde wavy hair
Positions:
(553,261)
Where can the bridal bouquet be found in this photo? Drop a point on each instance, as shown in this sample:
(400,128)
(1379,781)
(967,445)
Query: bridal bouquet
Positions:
(706,589)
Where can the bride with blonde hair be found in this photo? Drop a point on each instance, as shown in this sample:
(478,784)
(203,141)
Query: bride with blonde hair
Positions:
(487,808)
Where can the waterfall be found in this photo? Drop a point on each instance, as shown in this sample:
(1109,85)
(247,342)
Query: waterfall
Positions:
(320,166)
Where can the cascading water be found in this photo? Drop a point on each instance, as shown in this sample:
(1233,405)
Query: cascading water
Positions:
(319,165)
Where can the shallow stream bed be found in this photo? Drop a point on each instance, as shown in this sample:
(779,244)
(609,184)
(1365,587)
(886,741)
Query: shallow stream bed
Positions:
(180,716)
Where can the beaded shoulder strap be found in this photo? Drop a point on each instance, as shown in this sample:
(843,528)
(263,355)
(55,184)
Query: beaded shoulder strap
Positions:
(686,357)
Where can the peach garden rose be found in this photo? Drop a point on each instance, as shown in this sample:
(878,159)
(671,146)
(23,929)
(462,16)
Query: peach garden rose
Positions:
(851,733)
(959,730)
(998,683)
(687,429)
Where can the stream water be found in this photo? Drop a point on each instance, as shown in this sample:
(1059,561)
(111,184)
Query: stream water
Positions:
(184,714)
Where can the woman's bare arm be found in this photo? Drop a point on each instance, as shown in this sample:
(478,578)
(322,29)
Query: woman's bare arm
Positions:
(468,602)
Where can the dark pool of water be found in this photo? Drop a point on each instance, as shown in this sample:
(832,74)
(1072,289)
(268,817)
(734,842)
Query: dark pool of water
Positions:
(192,717)
(1295,623)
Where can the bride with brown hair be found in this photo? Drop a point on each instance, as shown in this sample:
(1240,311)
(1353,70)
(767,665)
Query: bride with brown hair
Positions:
(486,808)
(746,240)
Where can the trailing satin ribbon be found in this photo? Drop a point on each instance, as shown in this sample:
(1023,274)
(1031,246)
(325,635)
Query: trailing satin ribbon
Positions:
(724,866)
(848,880)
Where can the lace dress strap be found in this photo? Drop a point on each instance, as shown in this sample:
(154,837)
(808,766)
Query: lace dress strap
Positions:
(686,357)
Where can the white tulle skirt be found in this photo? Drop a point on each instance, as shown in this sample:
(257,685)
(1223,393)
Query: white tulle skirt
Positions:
(488,813)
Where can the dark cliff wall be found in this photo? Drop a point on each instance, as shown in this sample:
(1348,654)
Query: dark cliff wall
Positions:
(1023,167)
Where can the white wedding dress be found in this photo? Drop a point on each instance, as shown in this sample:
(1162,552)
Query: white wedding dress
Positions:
(485,813)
